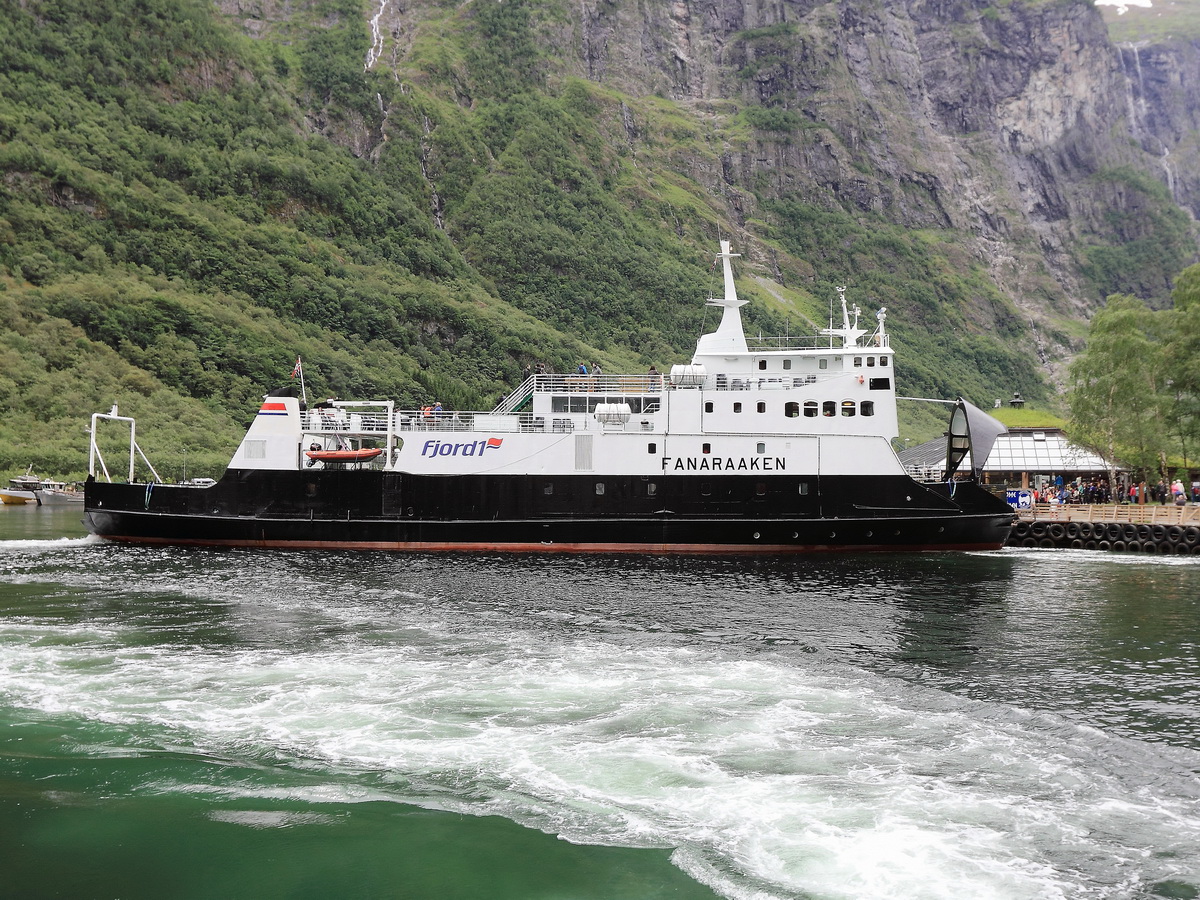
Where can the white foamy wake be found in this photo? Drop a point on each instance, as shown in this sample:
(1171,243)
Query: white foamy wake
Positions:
(11,548)
(771,778)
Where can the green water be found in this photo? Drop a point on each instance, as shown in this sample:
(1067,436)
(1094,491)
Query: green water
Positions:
(80,818)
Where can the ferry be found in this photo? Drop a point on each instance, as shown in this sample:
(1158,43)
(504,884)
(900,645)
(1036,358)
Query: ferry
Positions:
(755,446)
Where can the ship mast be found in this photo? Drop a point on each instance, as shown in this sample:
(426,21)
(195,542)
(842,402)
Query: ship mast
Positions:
(729,336)
(849,333)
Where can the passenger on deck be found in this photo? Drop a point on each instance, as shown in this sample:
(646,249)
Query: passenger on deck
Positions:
(654,381)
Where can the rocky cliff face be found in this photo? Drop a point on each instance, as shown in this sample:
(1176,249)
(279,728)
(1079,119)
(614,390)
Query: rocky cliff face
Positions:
(997,120)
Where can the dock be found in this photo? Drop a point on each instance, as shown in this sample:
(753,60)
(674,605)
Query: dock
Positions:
(1119,527)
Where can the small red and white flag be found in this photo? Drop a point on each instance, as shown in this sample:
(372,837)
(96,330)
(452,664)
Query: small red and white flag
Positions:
(296,370)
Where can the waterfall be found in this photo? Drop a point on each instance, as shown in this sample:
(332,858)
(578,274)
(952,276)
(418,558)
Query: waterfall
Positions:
(1135,125)
(376,50)
(1169,170)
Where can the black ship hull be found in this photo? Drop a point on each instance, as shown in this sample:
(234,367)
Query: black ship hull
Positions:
(374,510)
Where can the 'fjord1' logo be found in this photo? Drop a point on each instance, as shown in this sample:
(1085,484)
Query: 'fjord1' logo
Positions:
(470,448)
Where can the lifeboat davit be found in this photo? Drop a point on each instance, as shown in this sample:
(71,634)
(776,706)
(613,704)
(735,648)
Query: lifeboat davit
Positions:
(343,456)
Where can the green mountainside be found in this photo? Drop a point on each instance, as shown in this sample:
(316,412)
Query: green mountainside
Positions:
(185,209)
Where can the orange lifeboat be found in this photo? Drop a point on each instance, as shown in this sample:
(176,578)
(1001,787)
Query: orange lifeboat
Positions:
(343,456)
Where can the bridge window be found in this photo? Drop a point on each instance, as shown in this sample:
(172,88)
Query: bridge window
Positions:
(883,360)
(858,362)
(870,362)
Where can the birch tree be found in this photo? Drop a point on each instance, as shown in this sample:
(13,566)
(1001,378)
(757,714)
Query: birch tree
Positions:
(1116,395)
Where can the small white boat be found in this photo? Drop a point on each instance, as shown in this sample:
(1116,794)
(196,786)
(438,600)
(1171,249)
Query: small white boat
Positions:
(28,488)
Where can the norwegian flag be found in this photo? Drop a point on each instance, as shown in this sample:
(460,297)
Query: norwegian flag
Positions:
(296,370)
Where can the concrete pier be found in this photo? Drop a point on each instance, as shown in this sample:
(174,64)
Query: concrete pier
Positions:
(1119,527)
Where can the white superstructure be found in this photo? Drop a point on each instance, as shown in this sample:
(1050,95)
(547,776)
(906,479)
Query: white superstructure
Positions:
(821,405)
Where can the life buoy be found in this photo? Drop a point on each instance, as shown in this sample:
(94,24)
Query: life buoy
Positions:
(861,379)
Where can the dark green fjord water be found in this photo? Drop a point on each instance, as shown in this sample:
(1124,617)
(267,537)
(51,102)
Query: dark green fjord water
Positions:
(197,724)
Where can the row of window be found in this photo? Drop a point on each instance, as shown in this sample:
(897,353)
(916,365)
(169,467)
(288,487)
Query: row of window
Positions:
(823,362)
(812,408)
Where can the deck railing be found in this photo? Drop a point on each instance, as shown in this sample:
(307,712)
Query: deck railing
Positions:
(1138,513)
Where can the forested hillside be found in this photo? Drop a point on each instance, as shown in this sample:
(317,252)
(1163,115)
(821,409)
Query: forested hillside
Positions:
(191,196)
